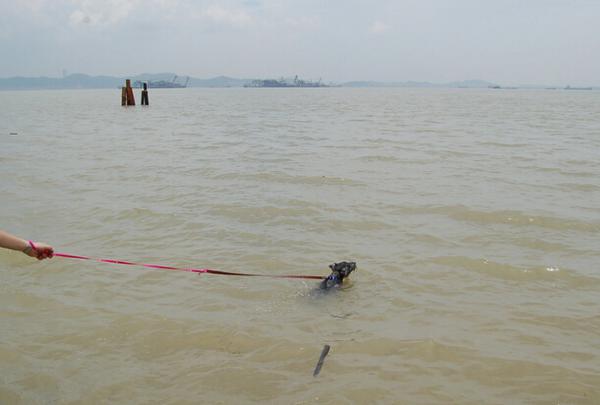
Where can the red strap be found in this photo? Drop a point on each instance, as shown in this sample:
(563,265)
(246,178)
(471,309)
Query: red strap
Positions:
(192,270)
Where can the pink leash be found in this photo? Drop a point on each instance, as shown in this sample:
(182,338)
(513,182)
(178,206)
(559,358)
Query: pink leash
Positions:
(189,270)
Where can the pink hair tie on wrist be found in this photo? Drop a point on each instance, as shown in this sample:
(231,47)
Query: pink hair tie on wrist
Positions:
(32,245)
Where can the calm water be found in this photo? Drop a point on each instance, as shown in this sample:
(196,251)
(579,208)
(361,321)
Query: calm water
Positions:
(473,215)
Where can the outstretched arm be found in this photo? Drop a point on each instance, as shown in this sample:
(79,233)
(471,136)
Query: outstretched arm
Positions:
(37,250)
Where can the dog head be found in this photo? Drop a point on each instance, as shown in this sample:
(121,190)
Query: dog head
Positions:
(343,269)
(339,271)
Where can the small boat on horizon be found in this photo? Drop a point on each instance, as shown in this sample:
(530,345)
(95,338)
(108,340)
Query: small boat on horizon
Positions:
(577,88)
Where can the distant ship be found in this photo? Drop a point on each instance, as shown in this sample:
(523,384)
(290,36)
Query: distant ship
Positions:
(162,84)
(284,83)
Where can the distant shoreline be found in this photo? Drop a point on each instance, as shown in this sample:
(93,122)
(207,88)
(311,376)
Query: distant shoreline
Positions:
(83,81)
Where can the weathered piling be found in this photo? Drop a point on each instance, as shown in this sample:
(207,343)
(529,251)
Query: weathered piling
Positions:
(127,97)
(130,97)
(145,95)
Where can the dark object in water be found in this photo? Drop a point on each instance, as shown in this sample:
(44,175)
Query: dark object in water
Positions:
(339,271)
(321,360)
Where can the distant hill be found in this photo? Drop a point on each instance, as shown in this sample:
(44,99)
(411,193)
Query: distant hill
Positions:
(83,81)
(220,81)
(74,81)
(472,84)
(387,84)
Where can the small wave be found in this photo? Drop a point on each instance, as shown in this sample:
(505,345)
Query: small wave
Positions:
(507,217)
(580,187)
(380,158)
(280,177)
(505,145)
(509,272)
(259,214)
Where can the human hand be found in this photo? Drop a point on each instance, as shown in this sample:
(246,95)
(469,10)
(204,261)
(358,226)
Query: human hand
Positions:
(39,250)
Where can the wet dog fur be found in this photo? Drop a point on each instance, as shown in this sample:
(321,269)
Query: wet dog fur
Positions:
(339,271)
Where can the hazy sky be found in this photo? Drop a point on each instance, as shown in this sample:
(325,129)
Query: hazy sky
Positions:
(506,41)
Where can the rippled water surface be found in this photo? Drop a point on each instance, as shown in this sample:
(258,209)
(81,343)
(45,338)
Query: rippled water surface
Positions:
(473,215)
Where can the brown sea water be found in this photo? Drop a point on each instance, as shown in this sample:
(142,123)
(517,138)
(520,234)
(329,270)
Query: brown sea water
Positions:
(473,215)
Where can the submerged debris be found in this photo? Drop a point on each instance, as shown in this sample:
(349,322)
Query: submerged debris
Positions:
(321,360)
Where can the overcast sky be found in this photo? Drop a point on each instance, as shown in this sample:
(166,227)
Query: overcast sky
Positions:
(505,41)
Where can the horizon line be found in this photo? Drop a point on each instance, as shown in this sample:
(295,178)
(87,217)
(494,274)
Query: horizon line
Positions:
(372,81)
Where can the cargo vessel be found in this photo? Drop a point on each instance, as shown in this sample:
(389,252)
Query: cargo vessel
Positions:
(163,84)
(285,83)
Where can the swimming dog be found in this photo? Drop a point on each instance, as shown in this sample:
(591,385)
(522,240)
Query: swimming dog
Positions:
(339,271)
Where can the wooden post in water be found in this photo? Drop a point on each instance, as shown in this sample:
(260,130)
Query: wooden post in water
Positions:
(123,96)
(130,98)
(145,95)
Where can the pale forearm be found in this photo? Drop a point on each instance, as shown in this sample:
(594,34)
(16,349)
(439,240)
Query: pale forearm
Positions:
(34,249)
(9,241)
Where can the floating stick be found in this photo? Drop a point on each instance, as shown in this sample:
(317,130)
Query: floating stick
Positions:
(321,360)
